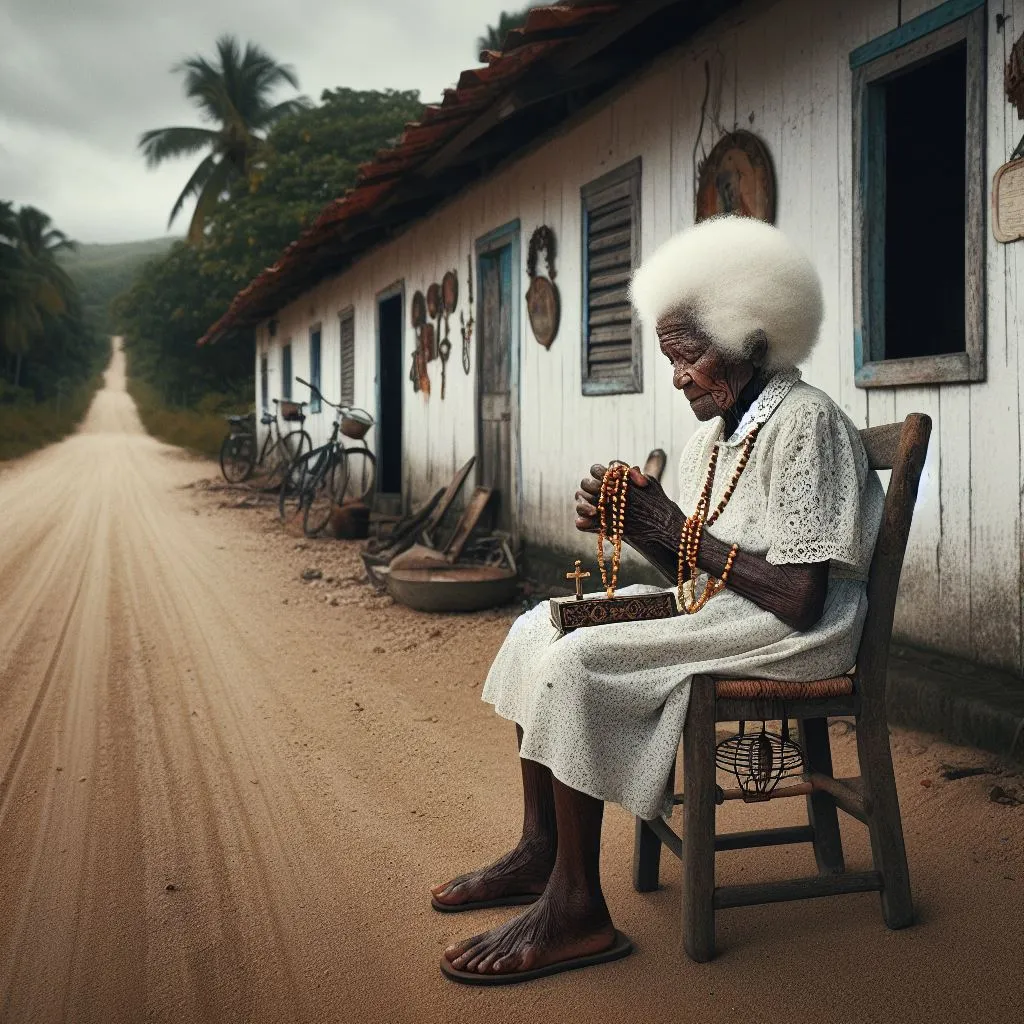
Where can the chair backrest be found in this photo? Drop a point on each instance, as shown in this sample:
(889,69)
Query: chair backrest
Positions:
(901,447)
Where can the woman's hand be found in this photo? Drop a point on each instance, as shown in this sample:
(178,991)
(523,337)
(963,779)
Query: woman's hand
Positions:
(587,520)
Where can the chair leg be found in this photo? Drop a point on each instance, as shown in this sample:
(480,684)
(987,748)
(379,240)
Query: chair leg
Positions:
(884,824)
(821,808)
(699,822)
(646,858)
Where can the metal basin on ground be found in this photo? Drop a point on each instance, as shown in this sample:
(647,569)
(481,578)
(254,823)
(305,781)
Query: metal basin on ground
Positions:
(467,588)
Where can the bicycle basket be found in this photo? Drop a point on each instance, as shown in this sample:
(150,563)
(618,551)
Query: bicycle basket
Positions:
(291,411)
(355,423)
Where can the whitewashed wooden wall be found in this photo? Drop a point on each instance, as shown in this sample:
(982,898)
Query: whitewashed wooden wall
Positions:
(782,71)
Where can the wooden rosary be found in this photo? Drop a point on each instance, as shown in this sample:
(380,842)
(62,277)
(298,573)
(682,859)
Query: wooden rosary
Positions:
(689,538)
(611,511)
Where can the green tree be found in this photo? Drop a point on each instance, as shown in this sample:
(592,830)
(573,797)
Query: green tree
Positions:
(234,94)
(33,287)
(43,335)
(309,158)
(494,37)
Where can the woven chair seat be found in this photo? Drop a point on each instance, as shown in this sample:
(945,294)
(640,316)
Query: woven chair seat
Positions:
(775,689)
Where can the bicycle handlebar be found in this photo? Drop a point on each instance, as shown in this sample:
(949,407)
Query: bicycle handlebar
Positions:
(334,405)
(316,391)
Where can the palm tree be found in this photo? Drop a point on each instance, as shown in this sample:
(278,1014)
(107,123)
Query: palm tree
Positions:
(33,286)
(233,93)
(494,38)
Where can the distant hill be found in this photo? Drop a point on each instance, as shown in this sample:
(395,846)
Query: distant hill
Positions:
(102,272)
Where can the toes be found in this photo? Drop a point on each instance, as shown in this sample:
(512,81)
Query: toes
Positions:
(478,957)
(457,949)
(508,963)
(519,960)
(452,892)
(485,965)
(470,953)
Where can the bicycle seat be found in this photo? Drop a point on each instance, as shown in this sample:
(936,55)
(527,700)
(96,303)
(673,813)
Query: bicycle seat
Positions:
(238,421)
(266,419)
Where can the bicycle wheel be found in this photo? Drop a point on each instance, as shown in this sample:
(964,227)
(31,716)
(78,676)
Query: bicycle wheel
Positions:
(237,457)
(295,483)
(358,476)
(283,453)
(320,500)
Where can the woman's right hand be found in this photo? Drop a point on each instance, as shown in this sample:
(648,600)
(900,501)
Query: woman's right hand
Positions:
(586,500)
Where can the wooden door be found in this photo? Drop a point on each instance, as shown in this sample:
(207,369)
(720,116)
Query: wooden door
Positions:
(494,371)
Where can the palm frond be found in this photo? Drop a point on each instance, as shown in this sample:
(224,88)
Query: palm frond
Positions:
(195,184)
(159,144)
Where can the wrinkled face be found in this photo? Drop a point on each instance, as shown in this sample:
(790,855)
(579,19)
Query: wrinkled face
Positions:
(710,383)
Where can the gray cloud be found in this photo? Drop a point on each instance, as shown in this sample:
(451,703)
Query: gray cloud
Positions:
(80,80)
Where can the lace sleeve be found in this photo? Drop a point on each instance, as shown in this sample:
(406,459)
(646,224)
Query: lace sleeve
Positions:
(814,494)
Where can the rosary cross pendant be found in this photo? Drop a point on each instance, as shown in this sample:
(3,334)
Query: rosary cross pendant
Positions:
(579,577)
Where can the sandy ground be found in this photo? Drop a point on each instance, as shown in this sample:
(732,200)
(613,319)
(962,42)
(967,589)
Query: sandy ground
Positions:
(224,792)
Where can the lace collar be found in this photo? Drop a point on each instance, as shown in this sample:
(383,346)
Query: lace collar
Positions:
(761,408)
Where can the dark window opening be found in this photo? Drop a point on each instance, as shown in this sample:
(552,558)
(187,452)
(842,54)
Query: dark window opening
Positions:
(392,380)
(925,208)
(314,368)
(264,384)
(286,372)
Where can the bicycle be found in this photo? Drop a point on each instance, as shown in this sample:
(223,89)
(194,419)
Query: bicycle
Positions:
(332,474)
(238,458)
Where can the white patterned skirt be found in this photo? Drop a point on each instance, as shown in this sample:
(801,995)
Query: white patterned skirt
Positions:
(603,707)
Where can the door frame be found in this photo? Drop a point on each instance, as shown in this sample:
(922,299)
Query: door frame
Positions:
(393,289)
(506,235)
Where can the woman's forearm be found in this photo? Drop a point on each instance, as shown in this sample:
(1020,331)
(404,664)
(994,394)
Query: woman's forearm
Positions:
(793,593)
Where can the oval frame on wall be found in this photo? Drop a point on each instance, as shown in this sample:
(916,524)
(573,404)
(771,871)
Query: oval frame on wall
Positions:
(738,178)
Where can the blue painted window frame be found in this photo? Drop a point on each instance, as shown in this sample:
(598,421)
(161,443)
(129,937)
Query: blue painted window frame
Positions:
(951,24)
(315,365)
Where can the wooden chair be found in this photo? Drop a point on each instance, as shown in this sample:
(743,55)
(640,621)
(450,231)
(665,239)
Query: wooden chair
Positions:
(871,798)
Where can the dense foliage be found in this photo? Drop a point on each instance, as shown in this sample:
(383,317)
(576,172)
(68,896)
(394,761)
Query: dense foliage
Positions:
(233,94)
(47,346)
(309,158)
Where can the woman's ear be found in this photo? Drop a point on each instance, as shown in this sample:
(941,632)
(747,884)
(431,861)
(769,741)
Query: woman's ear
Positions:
(757,348)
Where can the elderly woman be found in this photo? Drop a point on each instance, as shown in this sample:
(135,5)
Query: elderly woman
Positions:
(599,712)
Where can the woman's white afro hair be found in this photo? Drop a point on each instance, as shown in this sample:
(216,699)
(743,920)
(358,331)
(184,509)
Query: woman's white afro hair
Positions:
(736,276)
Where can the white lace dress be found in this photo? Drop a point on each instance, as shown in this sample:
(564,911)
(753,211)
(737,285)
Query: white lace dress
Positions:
(603,707)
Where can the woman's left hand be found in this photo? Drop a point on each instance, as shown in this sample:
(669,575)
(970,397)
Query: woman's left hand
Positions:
(590,489)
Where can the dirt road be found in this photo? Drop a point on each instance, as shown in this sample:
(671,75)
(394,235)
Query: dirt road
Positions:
(225,791)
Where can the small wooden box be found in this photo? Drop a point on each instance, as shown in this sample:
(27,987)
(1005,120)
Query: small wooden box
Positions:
(569,613)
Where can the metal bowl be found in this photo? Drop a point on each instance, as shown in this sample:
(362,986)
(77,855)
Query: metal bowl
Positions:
(466,588)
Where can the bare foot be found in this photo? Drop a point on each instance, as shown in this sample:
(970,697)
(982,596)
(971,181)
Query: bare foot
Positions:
(523,871)
(554,929)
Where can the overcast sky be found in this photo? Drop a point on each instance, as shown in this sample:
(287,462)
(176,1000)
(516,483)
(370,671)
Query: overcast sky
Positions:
(81,79)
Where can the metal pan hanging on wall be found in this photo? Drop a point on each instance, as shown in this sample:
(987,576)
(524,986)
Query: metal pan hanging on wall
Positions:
(418,310)
(434,301)
(450,291)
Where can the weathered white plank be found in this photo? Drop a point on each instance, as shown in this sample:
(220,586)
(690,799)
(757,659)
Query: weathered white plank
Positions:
(995,449)
(918,605)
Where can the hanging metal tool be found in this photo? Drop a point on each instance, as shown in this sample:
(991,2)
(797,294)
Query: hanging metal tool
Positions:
(466,326)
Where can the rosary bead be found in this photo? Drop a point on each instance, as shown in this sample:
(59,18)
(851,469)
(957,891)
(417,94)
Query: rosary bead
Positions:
(693,526)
